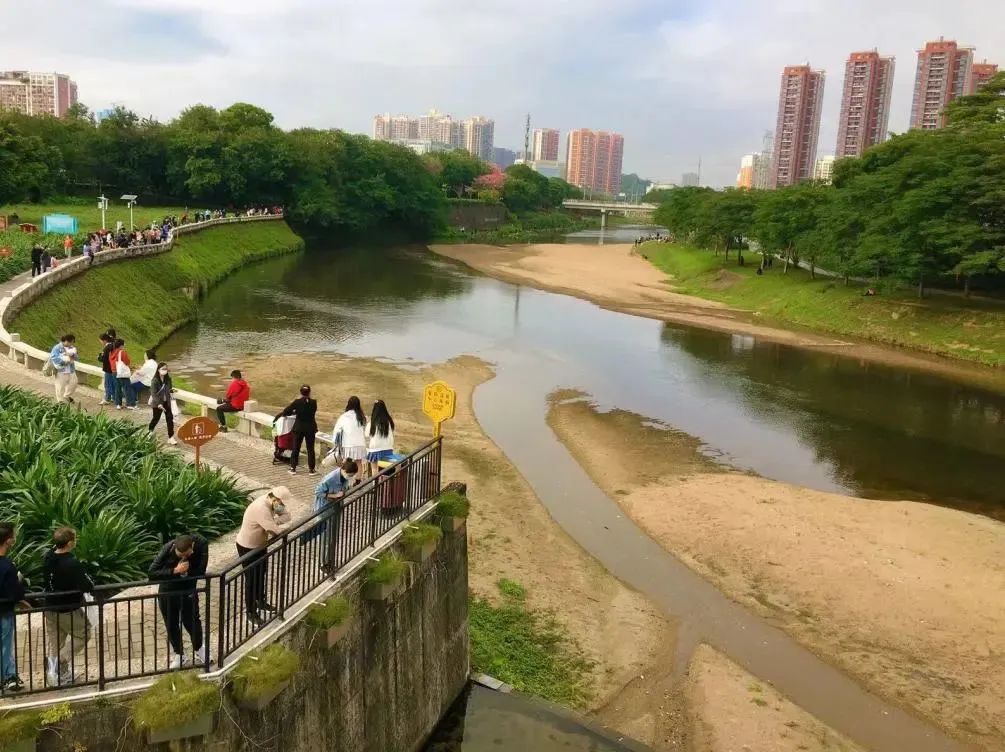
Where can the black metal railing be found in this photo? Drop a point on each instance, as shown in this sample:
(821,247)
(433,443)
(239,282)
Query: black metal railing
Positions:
(123,633)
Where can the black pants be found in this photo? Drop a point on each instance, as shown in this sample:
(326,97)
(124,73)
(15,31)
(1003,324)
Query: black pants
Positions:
(226,407)
(298,440)
(36,268)
(181,610)
(254,578)
(168,416)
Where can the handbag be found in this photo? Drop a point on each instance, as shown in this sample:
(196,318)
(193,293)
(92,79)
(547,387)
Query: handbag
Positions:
(121,369)
(175,409)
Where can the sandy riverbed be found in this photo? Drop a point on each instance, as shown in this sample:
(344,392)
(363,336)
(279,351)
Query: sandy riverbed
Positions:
(907,597)
(612,277)
(510,533)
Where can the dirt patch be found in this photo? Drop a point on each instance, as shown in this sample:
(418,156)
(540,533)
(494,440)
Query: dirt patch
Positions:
(731,710)
(906,597)
(725,279)
(510,533)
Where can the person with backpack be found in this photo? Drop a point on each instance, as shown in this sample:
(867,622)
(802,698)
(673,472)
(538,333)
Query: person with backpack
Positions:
(63,365)
(118,359)
(67,630)
(177,568)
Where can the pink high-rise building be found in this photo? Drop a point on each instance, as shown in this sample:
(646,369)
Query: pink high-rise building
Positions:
(593,160)
(865,104)
(980,74)
(944,73)
(37,93)
(798,126)
(545,147)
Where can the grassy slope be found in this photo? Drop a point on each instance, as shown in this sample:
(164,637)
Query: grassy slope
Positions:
(146,299)
(950,326)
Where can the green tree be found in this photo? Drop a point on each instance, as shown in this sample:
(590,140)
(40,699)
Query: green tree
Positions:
(457,170)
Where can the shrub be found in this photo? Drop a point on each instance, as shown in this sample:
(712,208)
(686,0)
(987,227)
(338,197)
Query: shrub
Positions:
(260,672)
(387,569)
(333,612)
(174,700)
(20,725)
(416,536)
(453,504)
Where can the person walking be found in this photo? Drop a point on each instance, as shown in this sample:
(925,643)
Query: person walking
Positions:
(305,428)
(67,630)
(12,589)
(107,345)
(121,366)
(233,401)
(36,260)
(177,568)
(143,376)
(349,433)
(264,519)
(64,363)
(330,490)
(161,402)
(381,433)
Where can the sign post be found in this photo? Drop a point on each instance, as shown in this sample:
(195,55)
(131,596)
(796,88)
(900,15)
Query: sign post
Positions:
(196,432)
(439,402)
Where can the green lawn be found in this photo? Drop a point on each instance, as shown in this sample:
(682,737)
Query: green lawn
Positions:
(945,325)
(89,215)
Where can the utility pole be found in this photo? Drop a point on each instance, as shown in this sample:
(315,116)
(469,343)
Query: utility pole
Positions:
(699,172)
(526,140)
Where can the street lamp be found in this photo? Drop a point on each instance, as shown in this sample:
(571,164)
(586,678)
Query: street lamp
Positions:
(132,202)
(103,205)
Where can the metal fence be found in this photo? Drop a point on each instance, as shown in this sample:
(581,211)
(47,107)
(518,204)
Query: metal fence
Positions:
(128,630)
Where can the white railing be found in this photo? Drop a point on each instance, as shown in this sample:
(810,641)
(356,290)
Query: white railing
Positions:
(251,420)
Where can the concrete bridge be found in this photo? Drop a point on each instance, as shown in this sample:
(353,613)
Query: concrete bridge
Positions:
(607,207)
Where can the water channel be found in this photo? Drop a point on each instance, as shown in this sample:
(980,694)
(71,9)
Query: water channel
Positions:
(809,418)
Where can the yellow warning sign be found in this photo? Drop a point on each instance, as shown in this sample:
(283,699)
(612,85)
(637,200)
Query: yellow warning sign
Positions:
(438,403)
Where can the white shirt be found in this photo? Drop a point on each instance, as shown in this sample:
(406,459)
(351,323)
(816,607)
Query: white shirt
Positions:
(353,434)
(379,443)
(145,373)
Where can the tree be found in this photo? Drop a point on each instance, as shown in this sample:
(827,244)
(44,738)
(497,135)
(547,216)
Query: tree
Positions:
(457,170)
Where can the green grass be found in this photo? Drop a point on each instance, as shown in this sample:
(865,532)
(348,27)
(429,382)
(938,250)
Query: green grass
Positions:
(387,569)
(331,613)
(89,215)
(527,649)
(147,299)
(261,671)
(945,325)
(175,700)
(453,504)
(416,536)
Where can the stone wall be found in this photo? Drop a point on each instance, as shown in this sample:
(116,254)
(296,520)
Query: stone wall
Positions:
(476,216)
(382,688)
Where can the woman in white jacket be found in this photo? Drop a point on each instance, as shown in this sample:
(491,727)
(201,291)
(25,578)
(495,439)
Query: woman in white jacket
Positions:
(143,375)
(381,436)
(350,432)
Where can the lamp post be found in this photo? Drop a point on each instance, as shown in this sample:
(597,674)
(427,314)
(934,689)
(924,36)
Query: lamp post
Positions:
(103,205)
(131,201)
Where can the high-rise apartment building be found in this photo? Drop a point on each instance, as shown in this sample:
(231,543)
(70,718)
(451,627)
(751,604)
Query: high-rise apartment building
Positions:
(476,135)
(865,103)
(798,126)
(479,137)
(943,74)
(545,147)
(593,160)
(823,170)
(980,74)
(690,180)
(389,127)
(33,93)
(754,171)
(435,126)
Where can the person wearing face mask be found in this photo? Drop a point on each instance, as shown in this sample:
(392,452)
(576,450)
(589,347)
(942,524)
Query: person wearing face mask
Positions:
(305,428)
(330,490)
(160,400)
(265,518)
(177,568)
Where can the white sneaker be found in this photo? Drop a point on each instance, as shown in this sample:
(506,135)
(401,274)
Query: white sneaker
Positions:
(118,407)
(177,661)
(104,402)
(131,408)
(173,441)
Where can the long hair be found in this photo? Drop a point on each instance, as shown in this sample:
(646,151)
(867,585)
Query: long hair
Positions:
(354,405)
(381,421)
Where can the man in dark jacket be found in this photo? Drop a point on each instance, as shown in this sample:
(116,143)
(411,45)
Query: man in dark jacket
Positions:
(12,588)
(178,568)
(66,627)
(36,260)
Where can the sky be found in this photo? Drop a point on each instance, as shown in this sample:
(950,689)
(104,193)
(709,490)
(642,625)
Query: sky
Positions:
(680,79)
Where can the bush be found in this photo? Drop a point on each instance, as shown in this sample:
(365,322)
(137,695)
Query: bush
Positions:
(387,569)
(262,671)
(174,700)
(416,536)
(106,479)
(20,725)
(333,612)
(453,504)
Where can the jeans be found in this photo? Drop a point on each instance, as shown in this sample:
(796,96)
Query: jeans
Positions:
(226,407)
(109,386)
(8,666)
(181,610)
(123,388)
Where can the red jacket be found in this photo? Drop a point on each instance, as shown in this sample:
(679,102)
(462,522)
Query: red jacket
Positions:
(237,393)
(116,355)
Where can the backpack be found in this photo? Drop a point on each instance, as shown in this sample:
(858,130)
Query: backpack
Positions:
(48,368)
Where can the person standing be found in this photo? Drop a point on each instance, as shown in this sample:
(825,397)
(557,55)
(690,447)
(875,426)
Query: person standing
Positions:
(66,628)
(177,568)
(233,401)
(107,345)
(381,432)
(46,259)
(68,246)
(12,589)
(349,433)
(64,362)
(122,369)
(331,489)
(264,519)
(305,428)
(160,401)
(143,376)
(36,260)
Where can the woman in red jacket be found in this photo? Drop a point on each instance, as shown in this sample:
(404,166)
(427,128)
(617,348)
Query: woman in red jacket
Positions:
(233,401)
(118,360)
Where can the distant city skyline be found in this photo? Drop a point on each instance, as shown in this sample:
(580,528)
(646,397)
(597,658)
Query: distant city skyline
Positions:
(436,131)
(37,92)
(593,160)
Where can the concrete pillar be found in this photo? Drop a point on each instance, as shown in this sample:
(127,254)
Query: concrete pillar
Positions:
(246,426)
(603,219)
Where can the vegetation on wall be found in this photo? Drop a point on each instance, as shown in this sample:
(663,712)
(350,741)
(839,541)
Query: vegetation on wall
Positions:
(174,700)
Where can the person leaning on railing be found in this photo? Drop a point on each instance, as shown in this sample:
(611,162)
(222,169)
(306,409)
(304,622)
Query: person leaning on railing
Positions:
(177,568)
(264,519)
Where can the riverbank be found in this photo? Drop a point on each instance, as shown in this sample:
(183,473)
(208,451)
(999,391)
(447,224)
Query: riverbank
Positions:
(904,596)
(146,299)
(511,536)
(614,278)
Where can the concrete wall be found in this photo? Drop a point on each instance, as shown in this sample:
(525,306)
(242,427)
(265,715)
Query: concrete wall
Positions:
(476,216)
(383,688)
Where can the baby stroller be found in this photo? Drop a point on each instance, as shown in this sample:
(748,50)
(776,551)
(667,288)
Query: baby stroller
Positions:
(282,440)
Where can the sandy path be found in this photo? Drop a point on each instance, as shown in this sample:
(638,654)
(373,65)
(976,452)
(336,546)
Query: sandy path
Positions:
(510,533)
(907,597)
(613,278)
